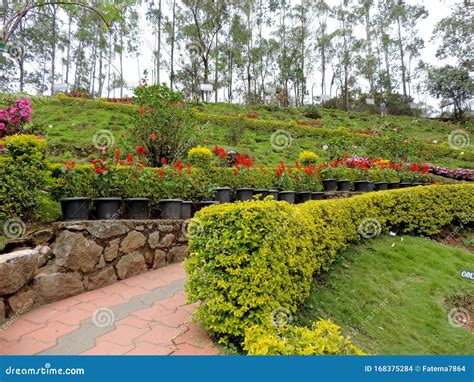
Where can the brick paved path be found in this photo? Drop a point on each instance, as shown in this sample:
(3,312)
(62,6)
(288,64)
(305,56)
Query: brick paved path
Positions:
(145,314)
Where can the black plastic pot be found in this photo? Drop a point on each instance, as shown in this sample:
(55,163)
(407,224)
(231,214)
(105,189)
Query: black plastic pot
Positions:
(405,185)
(75,208)
(303,196)
(330,185)
(263,193)
(317,195)
(393,185)
(417,184)
(273,193)
(343,185)
(170,208)
(361,186)
(137,208)
(244,194)
(186,210)
(206,203)
(222,194)
(287,196)
(107,208)
(381,186)
(370,187)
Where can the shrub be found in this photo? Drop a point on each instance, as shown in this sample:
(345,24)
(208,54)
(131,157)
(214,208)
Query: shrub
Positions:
(324,338)
(308,157)
(23,175)
(200,156)
(312,112)
(247,259)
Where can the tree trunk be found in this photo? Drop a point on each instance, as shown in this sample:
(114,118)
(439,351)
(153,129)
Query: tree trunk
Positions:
(53,49)
(158,48)
(68,56)
(402,58)
(172,45)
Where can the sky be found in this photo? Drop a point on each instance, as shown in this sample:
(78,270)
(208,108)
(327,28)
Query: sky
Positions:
(136,65)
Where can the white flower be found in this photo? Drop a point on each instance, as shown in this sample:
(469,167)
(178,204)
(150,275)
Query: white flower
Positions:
(50,126)
(325,147)
(392,233)
(435,141)
(462,152)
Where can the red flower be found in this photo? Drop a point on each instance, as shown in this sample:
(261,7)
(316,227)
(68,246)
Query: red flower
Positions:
(140,150)
(129,159)
(164,161)
(162,173)
(298,165)
(117,156)
(153,136)
(142,111)
(189,168)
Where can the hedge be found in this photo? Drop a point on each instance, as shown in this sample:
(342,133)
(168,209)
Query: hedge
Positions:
(248,259)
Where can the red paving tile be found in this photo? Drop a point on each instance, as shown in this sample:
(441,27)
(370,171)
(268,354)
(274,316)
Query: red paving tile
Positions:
(108,348)
(29,346)
(123,335)
(162,329)
(145,348)
(51,332)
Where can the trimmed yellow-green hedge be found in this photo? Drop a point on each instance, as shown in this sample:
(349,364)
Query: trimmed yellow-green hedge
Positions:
(248,259)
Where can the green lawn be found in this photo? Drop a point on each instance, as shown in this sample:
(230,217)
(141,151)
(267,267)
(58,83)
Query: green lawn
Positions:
(393,297)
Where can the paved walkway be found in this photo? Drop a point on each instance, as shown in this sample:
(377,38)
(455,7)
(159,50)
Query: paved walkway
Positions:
(145,314)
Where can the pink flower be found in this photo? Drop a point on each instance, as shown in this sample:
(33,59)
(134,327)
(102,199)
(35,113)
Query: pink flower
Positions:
(2,126)
(2,149)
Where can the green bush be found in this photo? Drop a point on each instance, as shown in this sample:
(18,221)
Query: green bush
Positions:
(200,157)
(324,338)
(247,259)
(23,176)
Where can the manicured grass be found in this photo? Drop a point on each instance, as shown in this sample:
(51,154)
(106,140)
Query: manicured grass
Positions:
(393,296)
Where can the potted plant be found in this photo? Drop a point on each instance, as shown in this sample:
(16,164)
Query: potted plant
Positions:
(74,186)
(285,182)
(244,194)
(262,194)
(170,209)
(273,194)
(287,196)
(186,210)
(136,205)
(362,182)
(307,182)
(327,174)
(222,194)
(343,175)
(105,184)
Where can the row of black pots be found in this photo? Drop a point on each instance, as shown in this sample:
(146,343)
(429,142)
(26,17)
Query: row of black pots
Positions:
(332,185)
(131,208)
(225,195)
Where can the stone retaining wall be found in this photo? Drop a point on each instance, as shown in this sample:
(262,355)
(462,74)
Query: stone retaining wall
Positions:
(73,257)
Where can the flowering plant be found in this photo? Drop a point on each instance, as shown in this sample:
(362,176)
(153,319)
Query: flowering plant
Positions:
(14,117)
(307,179)
(285,181)
(74,182)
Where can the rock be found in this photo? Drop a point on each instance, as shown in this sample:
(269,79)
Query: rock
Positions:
(149,255)
(57,286)
(41,261)
(22,302)
(106,230)
(165,228)
(177,254)
(111,251)
(102,279)
(131,265)
(71,226)
(154,239)
(42,237)
(167,241)
(2,312)
(140,228)
(75,252)
(160,259)
(16,269)
(101,263)
(132,241)
(43,253)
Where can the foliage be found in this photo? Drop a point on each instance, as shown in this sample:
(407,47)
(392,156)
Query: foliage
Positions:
(15,117)
(307,157)
(272,249)
(162,124)
(200,156)
(323,338)
(23,176)
(311,111)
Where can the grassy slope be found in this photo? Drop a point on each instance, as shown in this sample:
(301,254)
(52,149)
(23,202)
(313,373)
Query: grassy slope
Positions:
(73,127)
(404,289)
